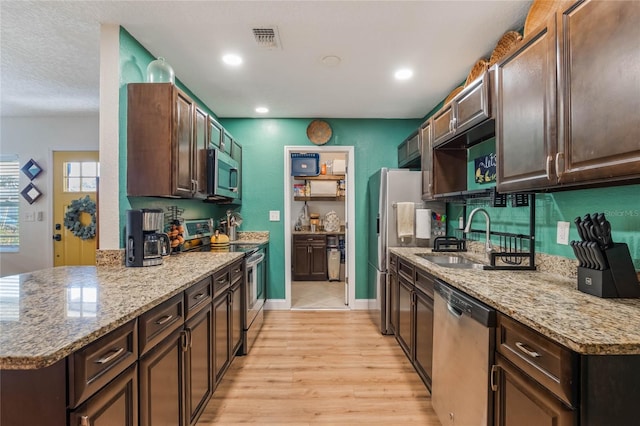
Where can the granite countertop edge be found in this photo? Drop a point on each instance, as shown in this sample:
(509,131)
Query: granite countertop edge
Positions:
(547,303)
(47,357)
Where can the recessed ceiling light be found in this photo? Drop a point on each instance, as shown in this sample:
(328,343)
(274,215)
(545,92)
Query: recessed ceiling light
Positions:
(232,59)
(403,74)
(262,110)
(331,60)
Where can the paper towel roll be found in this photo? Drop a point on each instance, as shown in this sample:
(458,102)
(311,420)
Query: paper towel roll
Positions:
(423,223)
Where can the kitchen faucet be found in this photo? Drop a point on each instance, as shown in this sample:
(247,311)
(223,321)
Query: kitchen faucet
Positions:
(487,247)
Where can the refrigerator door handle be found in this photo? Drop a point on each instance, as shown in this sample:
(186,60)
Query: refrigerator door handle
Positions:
(378,224)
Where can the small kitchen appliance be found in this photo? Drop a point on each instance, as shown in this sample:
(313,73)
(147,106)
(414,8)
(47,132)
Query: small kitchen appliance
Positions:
(145,245)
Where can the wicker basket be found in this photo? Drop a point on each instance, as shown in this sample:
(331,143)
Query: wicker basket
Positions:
(539,12)
(453,93)
(506,43)
(477,70)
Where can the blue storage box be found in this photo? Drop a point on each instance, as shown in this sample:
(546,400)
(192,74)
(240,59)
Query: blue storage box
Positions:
(305,164)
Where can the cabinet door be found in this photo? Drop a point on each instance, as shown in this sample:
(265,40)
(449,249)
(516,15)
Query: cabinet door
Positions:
(215,133)
(318,256)
(115,404)
(301,261)
(199,362)
(526,113)
(519,401)
(424,337)
(236,154)
(472,105)
(236,318)
(226,142)
(394,303)
(183,146)
(201,143)
(427,172)
(600,91)
(405,314)
(442,124)
(161,383)
(221,335)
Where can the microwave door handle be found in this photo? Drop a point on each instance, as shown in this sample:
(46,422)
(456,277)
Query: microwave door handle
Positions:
(233,172)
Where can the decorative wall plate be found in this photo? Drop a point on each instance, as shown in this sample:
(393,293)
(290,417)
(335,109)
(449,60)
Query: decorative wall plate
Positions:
(31,193)
(31,169)
(319,132)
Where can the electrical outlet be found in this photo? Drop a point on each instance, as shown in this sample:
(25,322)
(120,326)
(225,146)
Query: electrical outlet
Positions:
(274,215)
(563,233)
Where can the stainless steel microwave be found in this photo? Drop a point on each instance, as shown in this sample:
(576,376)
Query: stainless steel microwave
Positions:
(222,176)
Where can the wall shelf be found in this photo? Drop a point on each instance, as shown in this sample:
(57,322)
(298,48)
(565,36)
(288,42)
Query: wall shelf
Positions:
(319,198)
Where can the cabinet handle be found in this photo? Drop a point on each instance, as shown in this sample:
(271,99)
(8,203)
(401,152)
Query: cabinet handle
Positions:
(548,167)
(455,124)
(165,319)
(451,125)
(559,163)
(184,342)
(84,421)
(199,296)
(222,280)
(494,371)
(114,353)
(528,351)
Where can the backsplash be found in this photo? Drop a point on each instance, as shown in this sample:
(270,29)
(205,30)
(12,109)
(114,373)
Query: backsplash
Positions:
(621,204)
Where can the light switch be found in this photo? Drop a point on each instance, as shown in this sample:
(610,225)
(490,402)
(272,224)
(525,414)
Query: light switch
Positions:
(29,217)
(274,215)
(563,233)
(40,216)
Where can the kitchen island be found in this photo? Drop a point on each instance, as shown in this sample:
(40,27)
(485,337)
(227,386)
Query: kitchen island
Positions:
(118,345)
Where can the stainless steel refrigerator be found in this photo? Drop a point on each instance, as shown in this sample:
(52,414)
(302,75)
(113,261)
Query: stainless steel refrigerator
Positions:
(386,188)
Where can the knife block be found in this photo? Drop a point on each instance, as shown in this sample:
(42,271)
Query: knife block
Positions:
(618,281)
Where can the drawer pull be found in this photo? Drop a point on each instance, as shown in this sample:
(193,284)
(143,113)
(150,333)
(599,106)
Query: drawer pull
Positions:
(110,357)
(494,370)
(235,271)
(528,351)
(199,296)
(165,319)
(222,280)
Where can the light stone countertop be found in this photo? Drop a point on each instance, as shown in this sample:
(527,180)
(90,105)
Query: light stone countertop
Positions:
(548,303)
(48,314)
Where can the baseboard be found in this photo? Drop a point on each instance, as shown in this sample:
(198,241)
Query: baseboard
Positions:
(277,305)
(283,305)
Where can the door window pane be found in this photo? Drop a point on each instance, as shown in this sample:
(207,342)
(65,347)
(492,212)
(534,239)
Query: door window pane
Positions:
(81,176)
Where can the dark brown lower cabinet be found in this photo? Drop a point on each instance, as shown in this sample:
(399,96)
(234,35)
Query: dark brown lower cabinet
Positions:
(161,383)
(424,336)
(309,257)
(221,335)
(115,404)
(393,302)
(520,401)
(199,362)
(405,316)
(236,318)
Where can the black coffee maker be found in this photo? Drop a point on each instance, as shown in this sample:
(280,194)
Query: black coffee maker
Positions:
(145,244)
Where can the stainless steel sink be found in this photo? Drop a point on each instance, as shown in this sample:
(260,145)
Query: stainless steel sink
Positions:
(451,261)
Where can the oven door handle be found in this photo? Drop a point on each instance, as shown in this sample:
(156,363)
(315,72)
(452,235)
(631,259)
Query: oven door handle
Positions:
(254,260)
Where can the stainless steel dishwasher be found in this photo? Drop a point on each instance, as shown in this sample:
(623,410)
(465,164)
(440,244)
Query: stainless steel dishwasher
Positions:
(463,345)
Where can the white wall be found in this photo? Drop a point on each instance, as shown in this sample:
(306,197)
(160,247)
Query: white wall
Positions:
(37,138)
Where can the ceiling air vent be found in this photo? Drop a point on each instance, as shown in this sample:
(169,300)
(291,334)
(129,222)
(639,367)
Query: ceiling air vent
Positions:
(267,37)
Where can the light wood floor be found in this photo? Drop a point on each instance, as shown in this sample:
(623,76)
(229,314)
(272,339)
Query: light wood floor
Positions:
(330,367)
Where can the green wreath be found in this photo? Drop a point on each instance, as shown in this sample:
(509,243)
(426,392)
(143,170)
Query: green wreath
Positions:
(72,218)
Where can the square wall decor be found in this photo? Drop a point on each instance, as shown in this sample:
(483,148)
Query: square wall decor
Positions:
(31,193)
(31,169)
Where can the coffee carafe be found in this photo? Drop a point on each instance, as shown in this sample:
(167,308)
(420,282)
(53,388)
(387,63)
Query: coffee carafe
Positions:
(145,244)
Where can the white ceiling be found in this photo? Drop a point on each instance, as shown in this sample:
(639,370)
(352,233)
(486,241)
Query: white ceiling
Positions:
(50,52)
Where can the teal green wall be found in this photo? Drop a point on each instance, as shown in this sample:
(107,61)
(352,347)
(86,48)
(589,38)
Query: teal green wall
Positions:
(134,59)
(263,140)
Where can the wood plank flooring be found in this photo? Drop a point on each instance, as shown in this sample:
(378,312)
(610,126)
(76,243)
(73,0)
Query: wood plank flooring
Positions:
(311,367)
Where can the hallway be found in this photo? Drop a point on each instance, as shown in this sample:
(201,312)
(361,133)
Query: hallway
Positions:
(330,367)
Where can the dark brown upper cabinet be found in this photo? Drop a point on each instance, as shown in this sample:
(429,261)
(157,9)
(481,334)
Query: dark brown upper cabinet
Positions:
(568,100)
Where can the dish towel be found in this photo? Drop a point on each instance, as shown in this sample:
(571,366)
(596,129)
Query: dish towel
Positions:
(405,213)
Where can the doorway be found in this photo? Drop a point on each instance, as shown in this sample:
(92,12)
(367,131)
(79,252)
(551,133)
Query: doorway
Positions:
(318,273)
(75,177)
